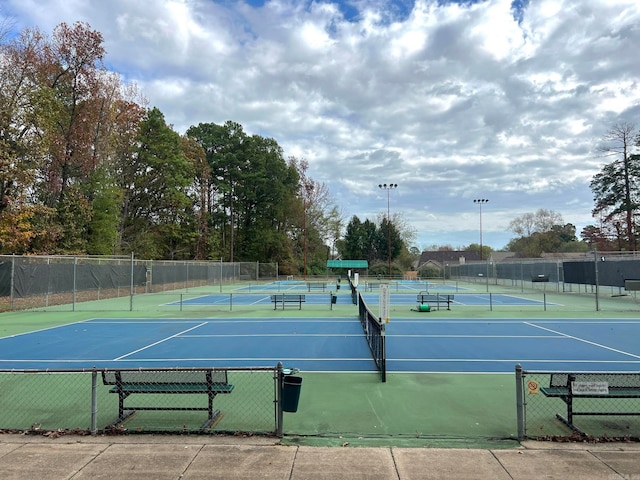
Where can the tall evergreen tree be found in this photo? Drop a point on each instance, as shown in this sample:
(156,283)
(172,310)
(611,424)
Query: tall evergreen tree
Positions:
(160,212)
(252,191)
(616,188)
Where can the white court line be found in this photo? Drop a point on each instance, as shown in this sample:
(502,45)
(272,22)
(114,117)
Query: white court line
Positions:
(471,336)
(287,335)
(498,360)
(160,341)
(582,340)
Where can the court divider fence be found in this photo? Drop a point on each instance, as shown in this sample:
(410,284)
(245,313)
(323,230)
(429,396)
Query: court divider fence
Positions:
(604,406)
(597,274)
(40,282)
(153,400)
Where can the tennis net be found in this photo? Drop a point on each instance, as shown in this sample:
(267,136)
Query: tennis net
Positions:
(374,331)
(354,291)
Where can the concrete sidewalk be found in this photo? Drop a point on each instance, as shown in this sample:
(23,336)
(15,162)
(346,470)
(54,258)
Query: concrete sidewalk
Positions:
(200,457)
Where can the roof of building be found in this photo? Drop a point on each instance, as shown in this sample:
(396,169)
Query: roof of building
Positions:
(449,256)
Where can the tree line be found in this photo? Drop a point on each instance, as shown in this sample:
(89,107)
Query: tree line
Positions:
(616,196)
(86,167)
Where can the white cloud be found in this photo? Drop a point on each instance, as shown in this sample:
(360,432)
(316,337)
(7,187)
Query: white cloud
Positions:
(452,101)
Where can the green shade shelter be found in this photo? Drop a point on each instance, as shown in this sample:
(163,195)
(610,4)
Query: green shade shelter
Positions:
(347,264)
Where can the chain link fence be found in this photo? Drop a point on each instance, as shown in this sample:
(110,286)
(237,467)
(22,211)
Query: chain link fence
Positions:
(177,400)
(565,405)
(44,282)
(607,281)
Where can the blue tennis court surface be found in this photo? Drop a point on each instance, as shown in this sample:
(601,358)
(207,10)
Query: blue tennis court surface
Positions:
(254,299)
(298,286)
(459,299)
(336,344)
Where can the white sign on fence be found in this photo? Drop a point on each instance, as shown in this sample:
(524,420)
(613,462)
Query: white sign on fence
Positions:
(590,388)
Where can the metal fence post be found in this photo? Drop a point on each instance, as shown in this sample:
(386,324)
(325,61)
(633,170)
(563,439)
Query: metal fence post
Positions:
(75,278)
(131,285)
(519,403)
(94,402)
(279,387)
(595,266)
(12,281)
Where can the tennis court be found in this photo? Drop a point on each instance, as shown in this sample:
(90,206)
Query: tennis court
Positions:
(318,344)
(450,373)
(259,298)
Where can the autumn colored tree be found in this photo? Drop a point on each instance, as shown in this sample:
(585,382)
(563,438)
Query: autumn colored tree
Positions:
(316,212)
(17,150)
(85,167)
(69,79)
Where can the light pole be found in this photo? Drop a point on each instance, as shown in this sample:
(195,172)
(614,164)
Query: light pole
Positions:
(388,187)
(480,201)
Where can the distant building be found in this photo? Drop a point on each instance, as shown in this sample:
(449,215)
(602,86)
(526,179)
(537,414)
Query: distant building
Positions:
(441,258)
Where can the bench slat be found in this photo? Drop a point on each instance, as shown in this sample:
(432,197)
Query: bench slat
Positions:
(168,388)
(172,377)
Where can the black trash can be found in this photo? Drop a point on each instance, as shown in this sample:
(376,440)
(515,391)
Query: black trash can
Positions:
(291,393)
(334,299)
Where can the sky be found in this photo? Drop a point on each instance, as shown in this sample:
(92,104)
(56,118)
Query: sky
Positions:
(453,101)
